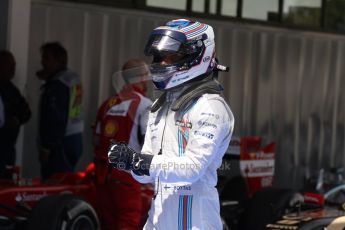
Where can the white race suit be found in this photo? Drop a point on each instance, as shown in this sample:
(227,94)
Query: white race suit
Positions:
(188,147)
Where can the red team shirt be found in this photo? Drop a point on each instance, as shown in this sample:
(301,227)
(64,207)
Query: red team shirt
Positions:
(122,117)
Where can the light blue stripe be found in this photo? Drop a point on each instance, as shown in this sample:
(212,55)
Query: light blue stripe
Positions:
(181,146)
(189,212)
(186,136)
(182,137)
(180,213)
(178,140)
(180,143)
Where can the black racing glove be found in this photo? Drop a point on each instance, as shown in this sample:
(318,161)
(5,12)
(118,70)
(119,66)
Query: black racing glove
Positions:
(120,156)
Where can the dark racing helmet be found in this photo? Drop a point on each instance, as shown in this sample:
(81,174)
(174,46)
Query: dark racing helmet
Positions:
(189,46)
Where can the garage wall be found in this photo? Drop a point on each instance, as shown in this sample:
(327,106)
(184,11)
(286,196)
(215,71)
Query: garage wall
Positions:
(284,85)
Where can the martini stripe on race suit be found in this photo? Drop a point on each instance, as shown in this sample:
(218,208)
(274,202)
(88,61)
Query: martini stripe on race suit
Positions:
(185,212)
(183,132)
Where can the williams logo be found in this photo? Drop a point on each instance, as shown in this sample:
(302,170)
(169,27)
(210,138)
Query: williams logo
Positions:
(183,124)
(206,124)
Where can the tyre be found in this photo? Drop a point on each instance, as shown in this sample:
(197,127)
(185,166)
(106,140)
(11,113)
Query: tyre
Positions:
(63,212)
(266,206)
(234,188)
(230,212)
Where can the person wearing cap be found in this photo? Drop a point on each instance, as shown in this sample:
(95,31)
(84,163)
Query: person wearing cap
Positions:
(123,118)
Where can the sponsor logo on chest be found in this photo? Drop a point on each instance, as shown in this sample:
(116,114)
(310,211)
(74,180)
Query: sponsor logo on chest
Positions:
(119,109)
(183,124)
(204,134)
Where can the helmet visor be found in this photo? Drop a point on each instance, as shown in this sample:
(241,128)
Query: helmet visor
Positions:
(161,75)
(162,44)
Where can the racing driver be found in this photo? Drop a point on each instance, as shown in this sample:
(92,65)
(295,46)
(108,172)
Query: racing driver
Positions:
(189,130)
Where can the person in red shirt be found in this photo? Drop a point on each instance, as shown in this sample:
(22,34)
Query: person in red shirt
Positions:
(123,118)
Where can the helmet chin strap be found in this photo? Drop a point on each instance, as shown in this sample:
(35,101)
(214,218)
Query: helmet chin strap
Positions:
(193,90)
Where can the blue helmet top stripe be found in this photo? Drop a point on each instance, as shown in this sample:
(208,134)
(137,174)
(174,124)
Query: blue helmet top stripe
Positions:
(179,23)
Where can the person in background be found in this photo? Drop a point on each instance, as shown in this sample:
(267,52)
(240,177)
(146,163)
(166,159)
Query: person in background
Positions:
(16,113)
(122,117)
(189,130)
(60,113)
